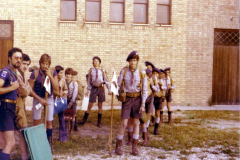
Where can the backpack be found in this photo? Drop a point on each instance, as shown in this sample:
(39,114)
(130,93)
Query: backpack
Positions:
(36,69)
(80,94)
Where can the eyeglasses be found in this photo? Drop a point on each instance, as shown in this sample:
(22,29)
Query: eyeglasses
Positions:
(17,58)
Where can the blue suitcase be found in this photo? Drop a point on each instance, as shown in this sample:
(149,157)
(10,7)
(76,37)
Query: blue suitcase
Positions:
(37,142)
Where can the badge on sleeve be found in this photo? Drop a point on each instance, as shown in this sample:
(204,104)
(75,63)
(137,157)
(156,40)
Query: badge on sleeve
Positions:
(4,73)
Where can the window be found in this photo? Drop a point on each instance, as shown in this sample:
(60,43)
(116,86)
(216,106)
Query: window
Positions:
(68,10)
(140,11)
(117,11)
(93,10)
(164,12)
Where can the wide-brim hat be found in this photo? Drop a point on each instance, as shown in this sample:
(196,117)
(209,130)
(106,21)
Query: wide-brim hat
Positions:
(149,63)
(161,70)
(166,69)
(155,70)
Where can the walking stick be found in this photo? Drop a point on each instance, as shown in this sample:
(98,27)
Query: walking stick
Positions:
(45,110)
(110,138)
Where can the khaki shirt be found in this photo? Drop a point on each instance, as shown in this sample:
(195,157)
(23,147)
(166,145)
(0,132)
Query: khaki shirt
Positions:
(135,87)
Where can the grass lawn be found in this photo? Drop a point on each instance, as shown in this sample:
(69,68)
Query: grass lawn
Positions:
(188,131)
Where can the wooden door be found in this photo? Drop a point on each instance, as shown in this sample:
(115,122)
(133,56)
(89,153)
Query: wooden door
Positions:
(6,41)
(225,89)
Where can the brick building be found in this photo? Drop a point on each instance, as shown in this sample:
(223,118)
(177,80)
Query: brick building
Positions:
(170,33)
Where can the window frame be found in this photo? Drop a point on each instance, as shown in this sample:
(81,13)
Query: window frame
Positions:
(124,2)
(147,5)
(100,14)
(170,13)
(61,11)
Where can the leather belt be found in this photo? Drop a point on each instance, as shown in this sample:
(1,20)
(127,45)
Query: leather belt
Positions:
(133,95)
(9,101)
(98,86)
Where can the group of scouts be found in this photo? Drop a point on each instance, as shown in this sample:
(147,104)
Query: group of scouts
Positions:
(143,89)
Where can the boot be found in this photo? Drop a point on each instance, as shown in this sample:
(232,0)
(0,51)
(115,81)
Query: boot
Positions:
(75,125)
(82,122)
(118,149)
(156,129)
(145,142)
(161,116)
(99,120)
(134,147)
(130,138)
(50,141)
(170,117)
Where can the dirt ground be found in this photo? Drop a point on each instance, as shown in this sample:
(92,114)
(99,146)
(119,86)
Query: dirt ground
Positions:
(212,153)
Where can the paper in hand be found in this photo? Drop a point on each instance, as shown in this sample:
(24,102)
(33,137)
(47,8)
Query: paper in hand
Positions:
(47,85)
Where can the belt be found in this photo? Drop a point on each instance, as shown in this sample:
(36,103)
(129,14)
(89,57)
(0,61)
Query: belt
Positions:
(133,95)
(98,86)
(9,101)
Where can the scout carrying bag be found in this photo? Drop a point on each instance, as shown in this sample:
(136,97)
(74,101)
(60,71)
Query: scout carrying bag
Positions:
(80,93)
(60,105)
(121,92)
(38,145)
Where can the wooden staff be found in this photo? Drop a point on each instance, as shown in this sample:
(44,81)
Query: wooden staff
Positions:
(45,110)
(110,137)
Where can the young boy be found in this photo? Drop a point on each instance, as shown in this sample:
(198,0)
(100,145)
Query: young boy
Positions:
(63,91)
(39,91)
(157,98)
(72,95)
(134,79)
(170,87)
(96,80)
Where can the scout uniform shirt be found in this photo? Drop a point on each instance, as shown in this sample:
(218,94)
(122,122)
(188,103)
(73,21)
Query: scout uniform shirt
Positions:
(5,75)
(132,84)
(72,91)
(97,79)
(156,84)
(168,82)
(150,88)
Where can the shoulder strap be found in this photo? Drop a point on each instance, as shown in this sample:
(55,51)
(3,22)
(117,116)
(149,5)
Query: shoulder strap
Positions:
(124,73)
(141,77)
(35,75)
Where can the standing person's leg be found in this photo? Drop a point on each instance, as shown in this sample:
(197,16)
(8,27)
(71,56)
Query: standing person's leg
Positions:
(50,112)
(101,99)
(169,100)
(130,132)
(9,138)
(62,127)
(36,113)
(2,142)
(121,130)
(23,146)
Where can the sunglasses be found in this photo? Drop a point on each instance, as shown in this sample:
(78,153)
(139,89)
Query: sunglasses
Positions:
(17,58)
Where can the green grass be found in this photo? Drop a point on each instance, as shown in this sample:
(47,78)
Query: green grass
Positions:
(213,115)
(91,139)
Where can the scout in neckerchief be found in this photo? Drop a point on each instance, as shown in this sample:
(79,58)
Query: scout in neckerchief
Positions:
(170,88)
(9,87)
(151,66)
(133,81)
(157,98)
(95,86)
(148,107)
(162,78)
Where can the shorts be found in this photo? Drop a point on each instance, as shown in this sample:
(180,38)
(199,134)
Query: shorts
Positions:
(97,91)
(36,114)
(168,96)
(7,116)
(131,108)
(158,103)
(149,104)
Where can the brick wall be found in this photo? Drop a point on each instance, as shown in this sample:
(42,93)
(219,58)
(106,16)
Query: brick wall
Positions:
(186,46)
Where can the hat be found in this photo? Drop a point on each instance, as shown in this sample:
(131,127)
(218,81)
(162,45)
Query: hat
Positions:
(133,53)
(166,69)
(156,70)
(96,57)
(163,71)
(148,71)
(149,63)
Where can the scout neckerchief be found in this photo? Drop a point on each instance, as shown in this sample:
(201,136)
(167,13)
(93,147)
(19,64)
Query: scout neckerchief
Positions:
(96,73)
(43,74)
(68,86)
(132,71)
(22,74)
